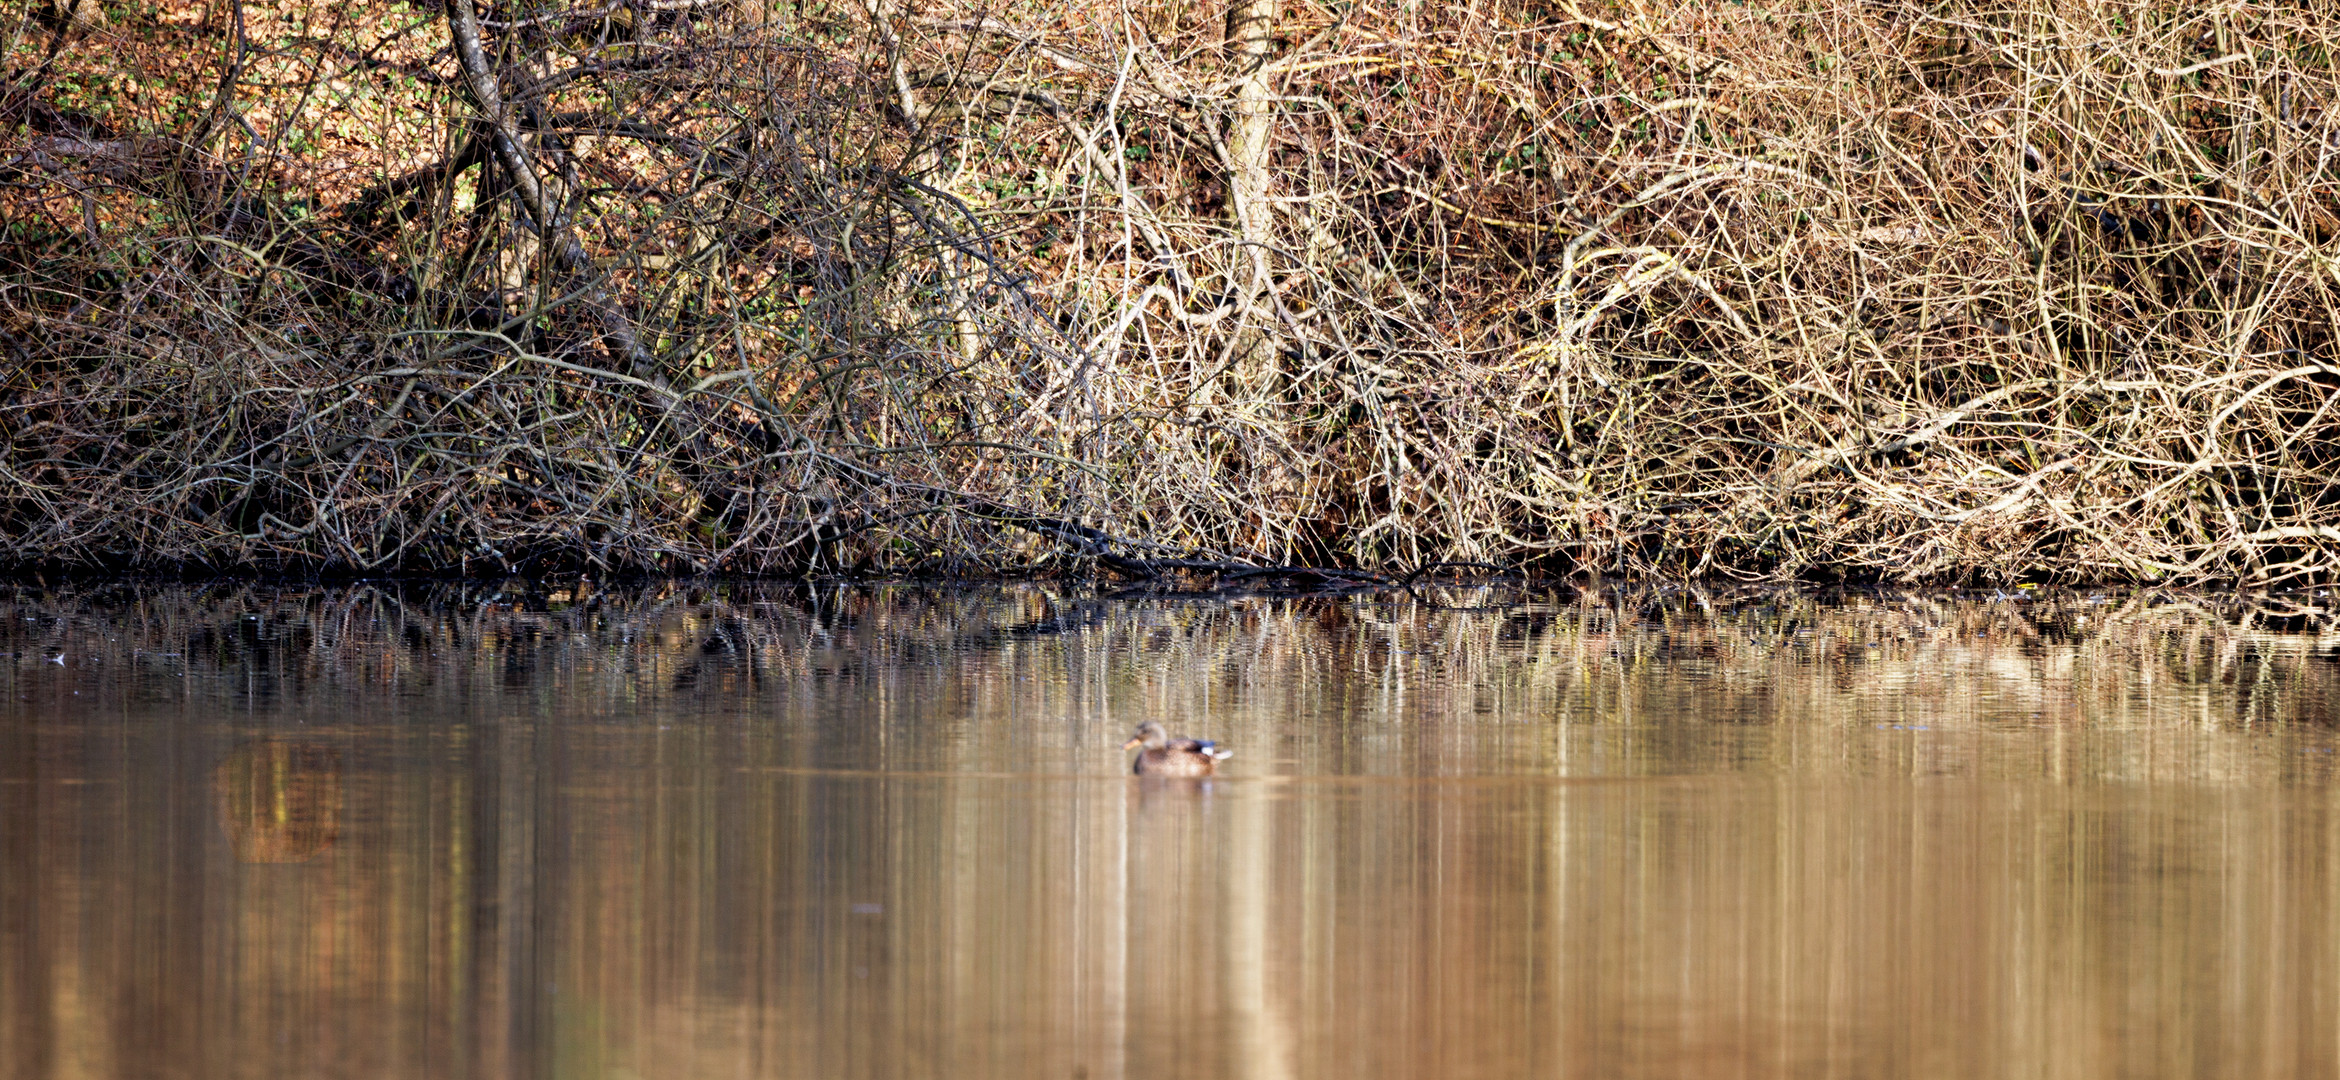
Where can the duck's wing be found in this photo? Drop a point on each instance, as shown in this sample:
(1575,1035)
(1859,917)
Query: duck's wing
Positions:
(1206,748)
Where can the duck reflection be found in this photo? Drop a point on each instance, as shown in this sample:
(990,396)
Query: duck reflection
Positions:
(279,800)
(1200,867)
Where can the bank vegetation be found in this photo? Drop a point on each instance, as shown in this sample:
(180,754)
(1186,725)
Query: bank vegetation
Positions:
(1974,290)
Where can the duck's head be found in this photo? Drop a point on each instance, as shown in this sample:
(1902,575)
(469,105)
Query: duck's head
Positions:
(1149,735)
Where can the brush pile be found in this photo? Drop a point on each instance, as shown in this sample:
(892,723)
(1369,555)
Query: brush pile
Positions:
(1967,291)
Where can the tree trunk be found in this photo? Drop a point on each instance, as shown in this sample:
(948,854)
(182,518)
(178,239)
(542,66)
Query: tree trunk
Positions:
(505,140)
(1251,33)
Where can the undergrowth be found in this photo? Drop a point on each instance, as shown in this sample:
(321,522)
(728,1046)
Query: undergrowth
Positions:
(1883,291)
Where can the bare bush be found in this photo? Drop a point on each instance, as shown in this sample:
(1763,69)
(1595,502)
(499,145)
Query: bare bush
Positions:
(1984,290)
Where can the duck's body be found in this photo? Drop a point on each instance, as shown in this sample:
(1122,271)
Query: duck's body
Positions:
(1164,755)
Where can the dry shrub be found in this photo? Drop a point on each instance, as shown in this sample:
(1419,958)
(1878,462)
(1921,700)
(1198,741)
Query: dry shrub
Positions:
(1975,290)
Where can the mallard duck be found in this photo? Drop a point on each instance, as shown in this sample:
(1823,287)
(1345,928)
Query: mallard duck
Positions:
(1166,756)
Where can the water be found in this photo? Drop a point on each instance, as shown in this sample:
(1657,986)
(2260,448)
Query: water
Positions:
(694,831)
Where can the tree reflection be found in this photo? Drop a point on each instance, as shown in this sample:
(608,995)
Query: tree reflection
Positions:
(279,800)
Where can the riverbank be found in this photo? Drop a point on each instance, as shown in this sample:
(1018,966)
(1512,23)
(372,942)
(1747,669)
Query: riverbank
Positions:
(1977,293)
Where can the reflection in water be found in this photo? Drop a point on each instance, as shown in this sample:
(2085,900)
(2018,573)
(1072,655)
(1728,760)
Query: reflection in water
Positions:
(279,800)
(697,831)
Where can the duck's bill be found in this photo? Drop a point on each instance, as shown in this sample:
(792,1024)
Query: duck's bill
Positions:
(1133,744)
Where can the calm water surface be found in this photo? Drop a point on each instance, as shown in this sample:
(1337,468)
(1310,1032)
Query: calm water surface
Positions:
(733,831)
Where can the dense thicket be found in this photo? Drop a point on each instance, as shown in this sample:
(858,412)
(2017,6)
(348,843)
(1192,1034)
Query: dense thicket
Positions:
(1974,289)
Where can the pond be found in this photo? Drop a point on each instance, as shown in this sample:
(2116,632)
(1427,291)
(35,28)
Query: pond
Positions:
(739,830)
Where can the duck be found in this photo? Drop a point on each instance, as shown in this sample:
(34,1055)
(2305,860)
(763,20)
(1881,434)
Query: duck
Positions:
(1167,756)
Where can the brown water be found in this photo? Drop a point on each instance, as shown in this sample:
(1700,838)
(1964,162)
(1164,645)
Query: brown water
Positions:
(742,832)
